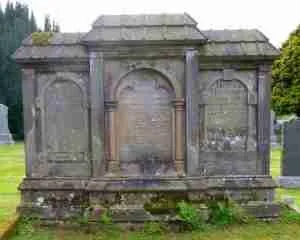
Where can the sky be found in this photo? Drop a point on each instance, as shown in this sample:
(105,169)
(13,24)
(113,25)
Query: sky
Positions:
(275,18)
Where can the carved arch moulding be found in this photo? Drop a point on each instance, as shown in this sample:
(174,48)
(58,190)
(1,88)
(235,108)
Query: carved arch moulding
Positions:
(62,105)
(142,118)
(228,115)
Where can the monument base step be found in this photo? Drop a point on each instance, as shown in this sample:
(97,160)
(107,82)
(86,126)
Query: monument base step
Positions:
(289,181)
(141,199)
(6,139)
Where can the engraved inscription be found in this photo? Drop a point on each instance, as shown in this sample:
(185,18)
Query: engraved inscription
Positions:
(225,117)
(145,116)
(64,120)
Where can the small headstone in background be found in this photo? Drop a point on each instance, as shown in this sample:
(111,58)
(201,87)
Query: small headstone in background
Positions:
(290,165)
(5,136)
(273,136)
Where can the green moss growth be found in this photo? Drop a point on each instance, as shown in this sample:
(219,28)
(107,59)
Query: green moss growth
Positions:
(41,38)
(163,204)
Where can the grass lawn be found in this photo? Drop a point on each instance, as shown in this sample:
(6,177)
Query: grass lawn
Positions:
(12,171)
(11,174)
(275,172)
(255,231)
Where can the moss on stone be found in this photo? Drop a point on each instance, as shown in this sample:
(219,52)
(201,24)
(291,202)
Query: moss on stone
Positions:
(163,204)
(41,38)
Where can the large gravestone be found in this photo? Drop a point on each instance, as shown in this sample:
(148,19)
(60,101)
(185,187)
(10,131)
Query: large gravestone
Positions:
(145,109)
(290,165)
(5,136)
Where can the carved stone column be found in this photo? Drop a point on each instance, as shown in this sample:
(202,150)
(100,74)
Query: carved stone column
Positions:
(113,165)
(97,112)
(179,153)
(192,114)
(29,112)
(263,117)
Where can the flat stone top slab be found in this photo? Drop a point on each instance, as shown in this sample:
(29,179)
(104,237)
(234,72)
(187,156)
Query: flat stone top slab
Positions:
(144,20)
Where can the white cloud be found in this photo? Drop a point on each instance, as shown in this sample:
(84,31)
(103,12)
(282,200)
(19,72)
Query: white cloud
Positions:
(276,19)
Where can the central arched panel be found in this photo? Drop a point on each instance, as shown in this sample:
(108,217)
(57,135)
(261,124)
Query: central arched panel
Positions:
(145,116)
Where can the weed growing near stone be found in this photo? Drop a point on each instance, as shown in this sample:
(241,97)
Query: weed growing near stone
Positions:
(189,216)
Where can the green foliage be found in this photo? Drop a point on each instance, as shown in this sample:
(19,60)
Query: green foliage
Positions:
(288,215)
(189,215)
(15,24)
(226,212)
(48,27)
(161,205)
(84,218)
(153,228)
(105,217)
(286,77)
(41,38)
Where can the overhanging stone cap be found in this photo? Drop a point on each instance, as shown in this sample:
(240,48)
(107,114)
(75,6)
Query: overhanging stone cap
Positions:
(144,20)
(238,43)
(32,53)
(143,27)
(235,35)
(60,46)
(58,39)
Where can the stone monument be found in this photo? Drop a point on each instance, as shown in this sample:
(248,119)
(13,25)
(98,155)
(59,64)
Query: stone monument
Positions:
(143,109)
(290,166)
(274,140)
(5,136)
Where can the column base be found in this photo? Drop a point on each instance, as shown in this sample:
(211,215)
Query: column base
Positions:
(113,168)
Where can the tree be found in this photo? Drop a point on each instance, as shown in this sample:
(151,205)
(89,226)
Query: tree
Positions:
(15,25)
(48,27)
(286,77)
(33,25)
(47,24)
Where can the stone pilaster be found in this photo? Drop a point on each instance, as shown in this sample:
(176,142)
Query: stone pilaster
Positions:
(97,111)
(113,165)
(29,112)
(263,118)
(179,131)
(192,109)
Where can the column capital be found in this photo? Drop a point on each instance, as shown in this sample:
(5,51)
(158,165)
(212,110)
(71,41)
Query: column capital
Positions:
(265,68)
(111,106)
(179,104)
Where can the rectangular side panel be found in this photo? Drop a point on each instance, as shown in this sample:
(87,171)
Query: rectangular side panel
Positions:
(62,120)
(226,108)
(29,94)
(97,113)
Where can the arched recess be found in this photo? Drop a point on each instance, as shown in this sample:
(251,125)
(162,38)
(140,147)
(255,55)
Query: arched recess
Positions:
(228,120)
(144,123)
(227,127)
(166,75)
(64,124)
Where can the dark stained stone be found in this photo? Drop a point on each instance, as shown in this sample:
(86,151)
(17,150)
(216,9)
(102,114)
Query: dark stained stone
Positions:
(291,149)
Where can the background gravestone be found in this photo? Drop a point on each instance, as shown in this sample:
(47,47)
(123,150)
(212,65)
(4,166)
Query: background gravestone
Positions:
(274,139)
(5,136)
(291,155)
